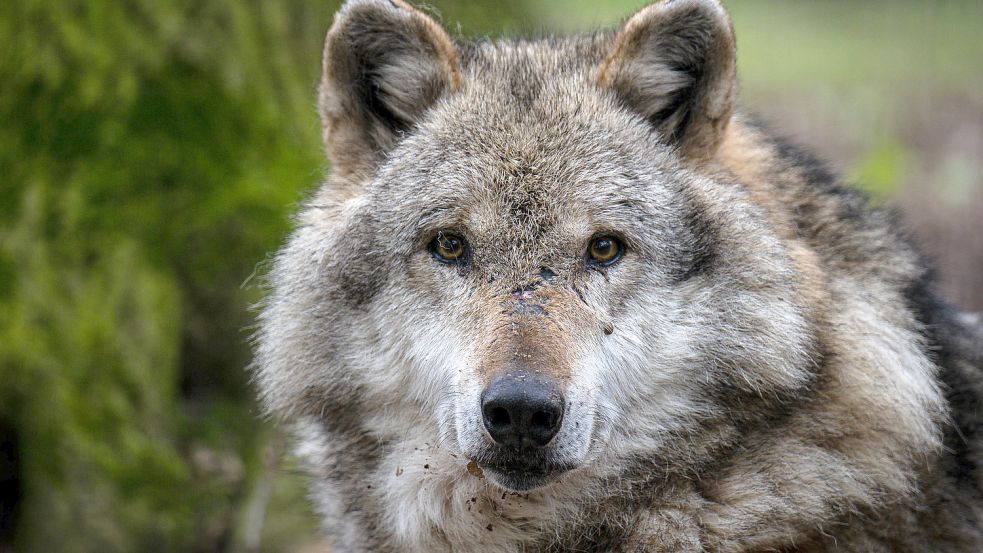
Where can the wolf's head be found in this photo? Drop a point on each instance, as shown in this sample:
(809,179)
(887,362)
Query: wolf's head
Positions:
(527,254)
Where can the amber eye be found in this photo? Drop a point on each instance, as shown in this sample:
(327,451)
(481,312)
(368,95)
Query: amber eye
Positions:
(448,248)
(604,250)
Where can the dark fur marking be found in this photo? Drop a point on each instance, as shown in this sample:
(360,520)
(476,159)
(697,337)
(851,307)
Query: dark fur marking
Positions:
(814,169)
(359,283)
(357,263)
(701,246)
(525,88)
(358,455)
(963,390)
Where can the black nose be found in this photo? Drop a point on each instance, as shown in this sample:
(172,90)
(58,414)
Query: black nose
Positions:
(521,410)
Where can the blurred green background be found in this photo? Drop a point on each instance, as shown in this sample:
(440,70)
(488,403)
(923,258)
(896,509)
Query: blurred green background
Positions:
(151,153)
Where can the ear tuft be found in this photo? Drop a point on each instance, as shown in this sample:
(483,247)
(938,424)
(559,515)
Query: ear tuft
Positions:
(674,63)
(385,65)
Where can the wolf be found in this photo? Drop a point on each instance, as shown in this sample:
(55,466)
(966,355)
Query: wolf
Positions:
(562,295)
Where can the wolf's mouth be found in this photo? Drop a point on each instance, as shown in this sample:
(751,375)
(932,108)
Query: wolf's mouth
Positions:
(517,480)
(517,474)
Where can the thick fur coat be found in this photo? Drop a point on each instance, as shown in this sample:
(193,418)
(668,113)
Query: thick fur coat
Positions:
(740,355)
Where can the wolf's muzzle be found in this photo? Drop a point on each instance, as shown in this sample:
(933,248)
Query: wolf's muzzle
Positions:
(522,410)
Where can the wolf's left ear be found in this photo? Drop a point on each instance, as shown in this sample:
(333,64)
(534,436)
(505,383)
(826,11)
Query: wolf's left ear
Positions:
(674,64)
(385,64)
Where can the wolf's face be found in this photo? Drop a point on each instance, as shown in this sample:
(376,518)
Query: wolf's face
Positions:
(515,262)
(521,257)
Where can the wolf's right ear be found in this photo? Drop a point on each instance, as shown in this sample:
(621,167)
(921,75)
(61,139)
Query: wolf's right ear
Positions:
(385,64)
(674,63)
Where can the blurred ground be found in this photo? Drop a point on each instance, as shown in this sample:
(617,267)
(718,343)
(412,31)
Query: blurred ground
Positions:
(150,154)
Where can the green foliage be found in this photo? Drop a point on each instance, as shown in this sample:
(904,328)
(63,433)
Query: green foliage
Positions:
(150,154)
(882,169)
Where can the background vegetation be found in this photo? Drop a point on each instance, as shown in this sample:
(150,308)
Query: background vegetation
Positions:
(150,155)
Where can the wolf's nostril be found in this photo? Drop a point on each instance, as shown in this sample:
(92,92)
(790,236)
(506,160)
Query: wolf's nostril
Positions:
(498,417)
(541,419)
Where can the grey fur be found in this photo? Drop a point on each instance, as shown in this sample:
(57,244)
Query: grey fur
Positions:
(767,368)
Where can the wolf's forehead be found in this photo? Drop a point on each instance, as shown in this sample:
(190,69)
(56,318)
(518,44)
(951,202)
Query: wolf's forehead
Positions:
(569,143)
(513,201)
(528,177)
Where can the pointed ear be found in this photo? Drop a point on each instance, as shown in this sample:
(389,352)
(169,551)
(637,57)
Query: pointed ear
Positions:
(674,64)
(385,64)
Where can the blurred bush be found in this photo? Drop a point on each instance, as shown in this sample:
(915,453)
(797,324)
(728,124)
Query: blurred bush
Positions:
(150,153)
